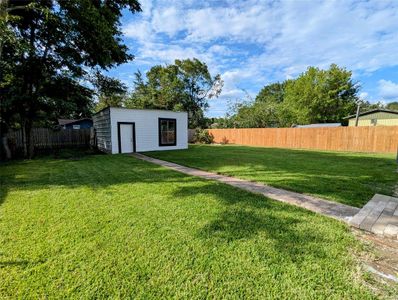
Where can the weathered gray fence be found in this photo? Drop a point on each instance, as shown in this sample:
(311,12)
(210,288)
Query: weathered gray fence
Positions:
(46,138)
(191,135)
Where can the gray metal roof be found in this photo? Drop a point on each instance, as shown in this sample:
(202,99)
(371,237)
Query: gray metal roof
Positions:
(373,111)
(319,125)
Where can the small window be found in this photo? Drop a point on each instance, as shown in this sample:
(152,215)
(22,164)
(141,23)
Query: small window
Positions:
(167,132)
(373,121)
(76,126)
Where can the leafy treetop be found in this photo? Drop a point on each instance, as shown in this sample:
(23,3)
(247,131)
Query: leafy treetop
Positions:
(46,53)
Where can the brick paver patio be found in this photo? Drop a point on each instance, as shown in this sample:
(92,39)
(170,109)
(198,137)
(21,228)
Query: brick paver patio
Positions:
(379,215)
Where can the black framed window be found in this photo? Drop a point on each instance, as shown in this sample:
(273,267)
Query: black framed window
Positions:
(167,132)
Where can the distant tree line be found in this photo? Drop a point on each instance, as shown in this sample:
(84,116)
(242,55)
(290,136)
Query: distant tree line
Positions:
(392,106)
(315,96)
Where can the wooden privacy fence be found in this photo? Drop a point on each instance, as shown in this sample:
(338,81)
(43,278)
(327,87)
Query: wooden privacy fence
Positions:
(361,139)
(44,138)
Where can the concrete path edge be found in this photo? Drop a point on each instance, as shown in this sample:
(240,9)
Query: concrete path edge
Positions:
(335,210)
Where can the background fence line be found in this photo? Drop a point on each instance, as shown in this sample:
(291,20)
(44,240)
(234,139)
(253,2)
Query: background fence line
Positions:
(44,138)
(359,139)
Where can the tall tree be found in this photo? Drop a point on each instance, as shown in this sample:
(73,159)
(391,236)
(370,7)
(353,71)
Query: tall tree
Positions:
(264,111)
(316,96)
(109,91)
(273,92)
(185,85)
(320,96)
(256,115)
(392,106)
(55,43)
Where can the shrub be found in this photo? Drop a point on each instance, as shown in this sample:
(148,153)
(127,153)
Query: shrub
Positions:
(224,141)
(202,136)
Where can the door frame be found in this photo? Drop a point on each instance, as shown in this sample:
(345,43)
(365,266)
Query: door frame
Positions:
(119,136)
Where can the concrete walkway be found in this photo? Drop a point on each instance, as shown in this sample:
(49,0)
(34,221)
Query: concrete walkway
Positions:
(331,209)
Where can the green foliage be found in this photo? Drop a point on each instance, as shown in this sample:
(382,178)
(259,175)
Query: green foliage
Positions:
(392,106)
(64,96)
(320,96)
(316,96)
(272,93)
(114,227)
(202,136)
(349,178)
(221,122)
(185,85)
(256,115)
(109,91)
(49,47)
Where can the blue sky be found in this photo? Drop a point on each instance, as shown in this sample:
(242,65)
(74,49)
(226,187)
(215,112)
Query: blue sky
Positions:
(253,43)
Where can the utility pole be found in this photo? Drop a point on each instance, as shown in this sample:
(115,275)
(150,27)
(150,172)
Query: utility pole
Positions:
(357,115)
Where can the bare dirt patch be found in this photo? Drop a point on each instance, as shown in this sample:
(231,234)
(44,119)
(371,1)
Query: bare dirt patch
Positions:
(380,264)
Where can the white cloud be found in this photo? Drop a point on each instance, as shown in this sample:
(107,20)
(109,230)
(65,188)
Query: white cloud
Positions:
(168,20)
(250,23)
(258,42)
(146,6)
(291,34)
(159,52)
(139,30)
(363,95)
(388,89)
(219,49)
(349,34)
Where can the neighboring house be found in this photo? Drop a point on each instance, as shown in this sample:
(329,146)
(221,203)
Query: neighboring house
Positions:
(122,130)
(319,125)
(375,117)
(75,124)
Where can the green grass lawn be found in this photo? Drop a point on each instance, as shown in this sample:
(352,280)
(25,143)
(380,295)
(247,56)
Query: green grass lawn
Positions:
(113,226)
(349,178)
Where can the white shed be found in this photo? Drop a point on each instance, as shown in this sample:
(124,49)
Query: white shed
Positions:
(122,130)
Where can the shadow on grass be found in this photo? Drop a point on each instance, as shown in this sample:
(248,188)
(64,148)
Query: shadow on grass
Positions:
(349,178)
(246,216)
(18,263)
(96,172)
(3,193)
(243,215)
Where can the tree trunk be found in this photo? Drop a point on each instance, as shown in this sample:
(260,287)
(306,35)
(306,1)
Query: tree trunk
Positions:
(7,151)
(28,145)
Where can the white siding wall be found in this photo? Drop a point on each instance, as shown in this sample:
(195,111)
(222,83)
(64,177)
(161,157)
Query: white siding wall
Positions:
(147,127)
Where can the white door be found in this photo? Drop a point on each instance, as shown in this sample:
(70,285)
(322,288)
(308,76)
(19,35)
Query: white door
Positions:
(126,138)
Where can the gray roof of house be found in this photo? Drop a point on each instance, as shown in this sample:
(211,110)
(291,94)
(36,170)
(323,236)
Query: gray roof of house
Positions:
(65,121)
(70,121)
(319,125)
(373,111)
